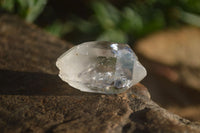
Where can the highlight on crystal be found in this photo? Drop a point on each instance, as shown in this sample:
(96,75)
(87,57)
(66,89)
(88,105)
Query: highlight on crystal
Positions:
(100,67)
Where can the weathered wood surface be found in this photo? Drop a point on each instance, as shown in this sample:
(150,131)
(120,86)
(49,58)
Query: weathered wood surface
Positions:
(34,99)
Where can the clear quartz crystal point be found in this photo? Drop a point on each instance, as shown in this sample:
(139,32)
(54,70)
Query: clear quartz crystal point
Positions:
(100,67)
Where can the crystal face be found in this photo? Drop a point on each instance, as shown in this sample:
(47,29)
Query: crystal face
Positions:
(101,67)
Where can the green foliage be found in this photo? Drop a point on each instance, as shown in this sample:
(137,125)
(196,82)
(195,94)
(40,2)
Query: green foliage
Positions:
(28,9)
(192,19)
(130,21)
(111,24)
(59,29)
(138,18)
(7,5)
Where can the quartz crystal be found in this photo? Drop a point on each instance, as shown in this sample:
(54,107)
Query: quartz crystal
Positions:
(101,67)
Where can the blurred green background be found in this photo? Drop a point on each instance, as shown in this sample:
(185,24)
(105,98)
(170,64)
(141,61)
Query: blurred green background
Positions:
(118,21)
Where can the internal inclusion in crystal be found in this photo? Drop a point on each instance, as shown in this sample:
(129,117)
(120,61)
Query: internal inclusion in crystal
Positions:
(102,67)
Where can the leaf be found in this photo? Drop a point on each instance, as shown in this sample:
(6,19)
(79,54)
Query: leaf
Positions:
(132,20)
(106,15)
(8,5)
(113,36)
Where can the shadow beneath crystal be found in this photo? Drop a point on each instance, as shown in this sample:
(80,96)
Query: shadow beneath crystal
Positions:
(35,83)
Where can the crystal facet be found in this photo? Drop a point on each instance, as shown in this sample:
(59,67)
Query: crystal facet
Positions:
(101,67)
